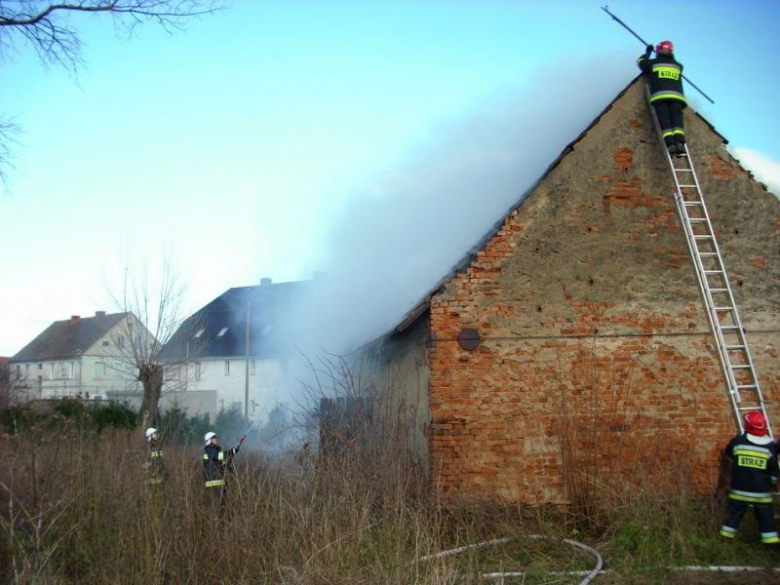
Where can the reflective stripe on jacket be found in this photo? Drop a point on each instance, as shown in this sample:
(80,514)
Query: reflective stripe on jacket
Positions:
(215,461)
(665,77)
(753,471)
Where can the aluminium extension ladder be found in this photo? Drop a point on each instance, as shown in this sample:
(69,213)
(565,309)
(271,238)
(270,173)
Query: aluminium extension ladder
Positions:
(736,360)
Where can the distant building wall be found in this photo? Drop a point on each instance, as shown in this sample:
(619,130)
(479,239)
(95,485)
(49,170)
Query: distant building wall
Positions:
(194,403)
(401,381)
(224,381)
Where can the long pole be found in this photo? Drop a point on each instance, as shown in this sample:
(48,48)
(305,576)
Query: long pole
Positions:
(246,376)
(641,40)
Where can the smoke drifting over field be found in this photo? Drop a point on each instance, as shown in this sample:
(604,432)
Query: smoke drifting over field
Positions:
(397,237)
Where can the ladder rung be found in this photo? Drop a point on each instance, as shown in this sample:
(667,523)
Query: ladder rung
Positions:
(687,186)
(701,237)
(707,254)
(740,367)
(750,408)
(733,347)
(719,290)
(729,327)
(692,202)
(722,308)
(713,272)
(746,386)
(697,219)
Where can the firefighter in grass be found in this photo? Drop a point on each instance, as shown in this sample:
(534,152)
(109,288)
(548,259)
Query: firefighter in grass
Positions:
(754,470)
(666,93)
(216,463)
(155,465)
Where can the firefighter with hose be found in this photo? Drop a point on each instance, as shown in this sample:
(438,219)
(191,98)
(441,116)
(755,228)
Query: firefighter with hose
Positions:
(216,463)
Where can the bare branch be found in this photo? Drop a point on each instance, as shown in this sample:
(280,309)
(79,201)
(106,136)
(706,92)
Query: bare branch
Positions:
(47,28)
(8,139)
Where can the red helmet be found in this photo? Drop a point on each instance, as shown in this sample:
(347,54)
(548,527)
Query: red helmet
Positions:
(664,47)
(755,423)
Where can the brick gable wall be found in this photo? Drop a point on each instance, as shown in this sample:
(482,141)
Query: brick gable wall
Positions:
(593,329)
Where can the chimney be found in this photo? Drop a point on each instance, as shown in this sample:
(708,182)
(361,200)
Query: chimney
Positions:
(74,319)
(100,314)
(265,282)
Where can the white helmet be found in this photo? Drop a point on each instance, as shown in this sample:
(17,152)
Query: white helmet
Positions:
(149,432)
(208,436)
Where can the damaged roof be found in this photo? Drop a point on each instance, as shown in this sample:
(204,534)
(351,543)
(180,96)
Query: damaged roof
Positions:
(219,329)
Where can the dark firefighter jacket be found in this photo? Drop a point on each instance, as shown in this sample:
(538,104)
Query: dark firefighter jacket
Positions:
(753,471)
(665,75)
(155,465)
(215,462)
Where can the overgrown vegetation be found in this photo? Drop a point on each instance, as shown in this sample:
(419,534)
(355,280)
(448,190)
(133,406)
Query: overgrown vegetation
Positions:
(75,507)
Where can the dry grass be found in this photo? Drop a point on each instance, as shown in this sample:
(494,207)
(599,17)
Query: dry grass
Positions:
(76,509)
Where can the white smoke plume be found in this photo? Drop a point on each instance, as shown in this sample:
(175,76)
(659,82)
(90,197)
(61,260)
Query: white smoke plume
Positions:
(399,236)
(765,169)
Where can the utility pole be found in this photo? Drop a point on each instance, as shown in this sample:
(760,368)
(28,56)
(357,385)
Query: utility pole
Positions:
(246,375)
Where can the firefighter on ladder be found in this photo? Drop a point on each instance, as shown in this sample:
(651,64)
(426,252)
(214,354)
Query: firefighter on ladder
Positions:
(215,463)
(155,466)
(754,470)
(666,93)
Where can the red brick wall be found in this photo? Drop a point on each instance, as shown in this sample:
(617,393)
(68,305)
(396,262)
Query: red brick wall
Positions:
(593,332)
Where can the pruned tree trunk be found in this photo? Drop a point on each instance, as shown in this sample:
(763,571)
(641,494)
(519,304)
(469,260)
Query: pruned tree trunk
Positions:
(151,377)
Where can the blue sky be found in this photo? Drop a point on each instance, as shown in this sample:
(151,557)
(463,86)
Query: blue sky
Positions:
(238,146)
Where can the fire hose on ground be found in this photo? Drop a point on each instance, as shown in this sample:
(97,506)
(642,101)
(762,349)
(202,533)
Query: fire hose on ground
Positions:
(588,576)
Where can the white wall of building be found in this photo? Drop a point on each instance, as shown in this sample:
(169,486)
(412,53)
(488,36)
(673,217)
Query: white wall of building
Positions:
(269,383)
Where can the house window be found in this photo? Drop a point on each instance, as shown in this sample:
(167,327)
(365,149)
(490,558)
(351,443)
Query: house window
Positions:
(71,367)
(18,371)
(199,333)
(26,370)
(222,332)
(40,366)
(227,367)
(100,369)
(252,367)
(105,344)
(120,341)
(197,370)
(51,371)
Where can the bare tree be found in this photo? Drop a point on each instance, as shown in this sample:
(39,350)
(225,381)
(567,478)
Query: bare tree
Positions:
(154,309)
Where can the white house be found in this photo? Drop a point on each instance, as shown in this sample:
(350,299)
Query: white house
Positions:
(81,357)
(236,352)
